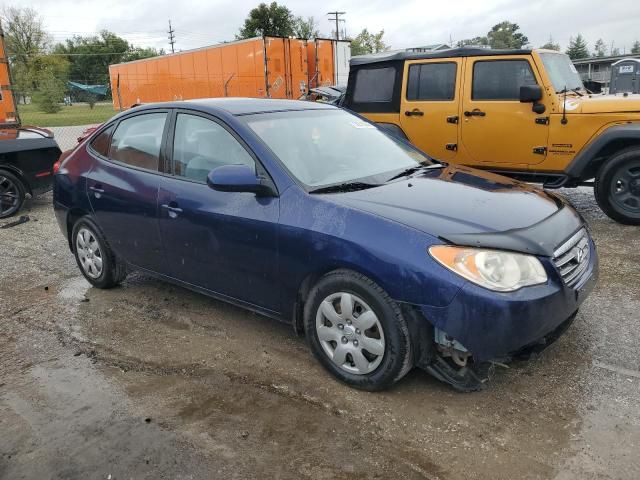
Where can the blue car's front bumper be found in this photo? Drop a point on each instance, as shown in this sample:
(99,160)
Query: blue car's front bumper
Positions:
(493,325)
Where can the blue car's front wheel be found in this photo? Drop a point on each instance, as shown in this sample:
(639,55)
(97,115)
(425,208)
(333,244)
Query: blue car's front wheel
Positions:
(357,331)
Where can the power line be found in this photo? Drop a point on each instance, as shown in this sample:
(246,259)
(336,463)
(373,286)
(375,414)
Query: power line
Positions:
(337,19)
(171,37)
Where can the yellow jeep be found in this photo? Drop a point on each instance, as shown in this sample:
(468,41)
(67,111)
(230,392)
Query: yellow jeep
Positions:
(521,113)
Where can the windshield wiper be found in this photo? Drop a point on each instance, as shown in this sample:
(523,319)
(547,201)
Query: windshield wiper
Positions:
(345,187)
(574,90)
(411,170)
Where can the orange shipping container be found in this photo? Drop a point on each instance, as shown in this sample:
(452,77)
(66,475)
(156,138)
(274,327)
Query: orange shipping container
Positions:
(272,67)
(8,115)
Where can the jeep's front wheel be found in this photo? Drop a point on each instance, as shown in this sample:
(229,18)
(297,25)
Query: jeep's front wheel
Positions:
(617,187)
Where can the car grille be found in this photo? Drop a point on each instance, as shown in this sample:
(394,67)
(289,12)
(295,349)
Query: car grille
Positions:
(572,257)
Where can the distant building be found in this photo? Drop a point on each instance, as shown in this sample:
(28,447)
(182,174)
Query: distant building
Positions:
(598,69)
(429,48)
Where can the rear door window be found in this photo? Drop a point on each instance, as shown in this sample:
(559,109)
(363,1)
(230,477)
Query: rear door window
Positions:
(500,79)
(100,144)
(432,81)
(201,145)
(137,140)
(374,85)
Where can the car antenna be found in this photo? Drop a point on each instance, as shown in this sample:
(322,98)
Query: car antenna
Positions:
(564,120)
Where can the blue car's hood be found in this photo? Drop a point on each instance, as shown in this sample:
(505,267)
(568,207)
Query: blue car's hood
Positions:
(454,200)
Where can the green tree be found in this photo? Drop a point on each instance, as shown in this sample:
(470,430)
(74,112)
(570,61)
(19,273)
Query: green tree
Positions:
(305,28)
(577,47)
(615,52)
(24,34)
(138,53)
(473,42)
(90,56)
(25,38)
(366,42)
(506,35)
(264,20)
(49,76)
(636,48)
(600,49)
(551,45)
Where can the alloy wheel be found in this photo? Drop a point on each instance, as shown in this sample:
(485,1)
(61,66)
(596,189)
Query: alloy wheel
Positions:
(625,187)
(9,197)
(350,333)
(89,253)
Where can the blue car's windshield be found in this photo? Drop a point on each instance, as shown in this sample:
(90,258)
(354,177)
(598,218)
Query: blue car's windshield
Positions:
(325,147)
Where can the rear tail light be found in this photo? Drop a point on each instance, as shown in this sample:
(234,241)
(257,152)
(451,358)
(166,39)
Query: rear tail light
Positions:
(56,167)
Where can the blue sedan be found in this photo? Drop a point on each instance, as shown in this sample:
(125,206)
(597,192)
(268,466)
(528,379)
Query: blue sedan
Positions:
(383,257)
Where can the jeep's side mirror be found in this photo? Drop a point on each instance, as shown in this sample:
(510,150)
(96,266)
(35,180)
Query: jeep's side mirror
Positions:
(532,94)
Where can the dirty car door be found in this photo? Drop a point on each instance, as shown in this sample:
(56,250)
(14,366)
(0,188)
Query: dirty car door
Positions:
(225,242)
(123,189)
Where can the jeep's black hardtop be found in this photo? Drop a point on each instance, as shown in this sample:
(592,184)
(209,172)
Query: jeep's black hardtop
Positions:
(449,53)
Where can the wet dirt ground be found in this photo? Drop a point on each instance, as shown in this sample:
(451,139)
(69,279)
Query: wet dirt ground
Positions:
(152,381)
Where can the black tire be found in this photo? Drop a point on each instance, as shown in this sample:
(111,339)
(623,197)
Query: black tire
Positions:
(397,359)
(12,194)
(614,182)
(113,270)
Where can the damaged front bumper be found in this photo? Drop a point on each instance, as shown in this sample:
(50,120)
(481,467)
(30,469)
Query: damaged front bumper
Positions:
(499,327)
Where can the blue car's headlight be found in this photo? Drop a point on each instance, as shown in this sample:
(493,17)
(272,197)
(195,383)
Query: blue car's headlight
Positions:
(493,269)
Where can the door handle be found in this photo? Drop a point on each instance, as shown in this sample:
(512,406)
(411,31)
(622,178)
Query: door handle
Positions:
(173,211)
(97,190)
(414,113)
(474,113)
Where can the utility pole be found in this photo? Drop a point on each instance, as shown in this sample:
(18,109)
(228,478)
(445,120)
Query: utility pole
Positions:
(336,18)
(172,37)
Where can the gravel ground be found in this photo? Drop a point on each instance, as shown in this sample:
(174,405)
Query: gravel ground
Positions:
(152,381)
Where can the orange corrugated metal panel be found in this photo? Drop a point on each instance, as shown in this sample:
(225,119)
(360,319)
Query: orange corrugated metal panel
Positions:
(200,74)
(276,64)
(311,63)
(325,62)
(298,69)
(7,107)
(214,72)
(231,69)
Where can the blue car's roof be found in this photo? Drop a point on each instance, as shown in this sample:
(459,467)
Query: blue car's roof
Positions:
(243,106)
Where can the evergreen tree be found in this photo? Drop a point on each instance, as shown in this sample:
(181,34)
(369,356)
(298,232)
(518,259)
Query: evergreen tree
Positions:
(600,48)
(577,47)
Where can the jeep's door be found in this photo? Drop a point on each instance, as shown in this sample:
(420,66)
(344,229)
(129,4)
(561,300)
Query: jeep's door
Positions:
(429,111)
(496,128)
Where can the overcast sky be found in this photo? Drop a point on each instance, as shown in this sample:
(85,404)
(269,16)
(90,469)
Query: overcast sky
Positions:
(406,22)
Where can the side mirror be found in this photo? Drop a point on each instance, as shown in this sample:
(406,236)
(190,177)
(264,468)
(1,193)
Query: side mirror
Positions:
(240,178)
(530,93)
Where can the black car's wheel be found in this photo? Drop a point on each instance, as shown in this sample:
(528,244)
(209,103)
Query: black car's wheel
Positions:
(96,260)
(357,331)
(12,194)
(617,188)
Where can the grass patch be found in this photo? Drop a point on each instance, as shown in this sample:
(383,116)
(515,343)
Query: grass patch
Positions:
(77,114)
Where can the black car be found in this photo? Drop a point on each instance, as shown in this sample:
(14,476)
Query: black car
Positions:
(27,158)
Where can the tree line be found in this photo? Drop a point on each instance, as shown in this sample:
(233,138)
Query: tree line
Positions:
(40,68)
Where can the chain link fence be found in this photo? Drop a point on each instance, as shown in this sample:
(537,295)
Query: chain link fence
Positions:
(71,117)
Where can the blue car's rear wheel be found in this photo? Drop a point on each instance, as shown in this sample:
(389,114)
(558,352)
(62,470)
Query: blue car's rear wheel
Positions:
(94,257)
(357,331)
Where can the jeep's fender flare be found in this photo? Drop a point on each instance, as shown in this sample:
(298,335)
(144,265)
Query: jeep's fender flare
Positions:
(393,129)
(583,166)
